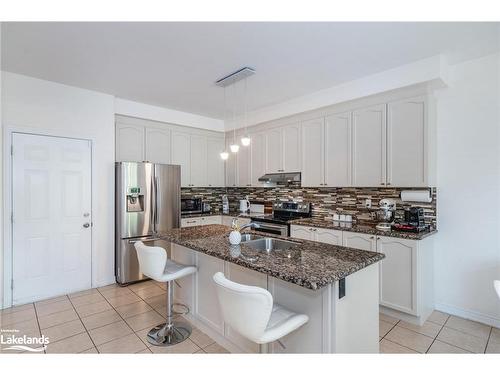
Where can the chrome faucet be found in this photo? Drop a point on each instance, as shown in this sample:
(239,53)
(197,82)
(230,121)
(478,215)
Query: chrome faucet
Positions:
(234,225)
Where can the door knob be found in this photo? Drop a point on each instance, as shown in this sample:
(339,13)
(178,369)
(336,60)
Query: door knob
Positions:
(86,225)
(86,214)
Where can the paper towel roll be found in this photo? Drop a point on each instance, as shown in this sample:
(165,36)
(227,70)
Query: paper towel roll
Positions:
(416,196)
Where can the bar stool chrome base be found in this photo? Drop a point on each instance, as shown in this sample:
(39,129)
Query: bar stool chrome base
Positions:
(163,336)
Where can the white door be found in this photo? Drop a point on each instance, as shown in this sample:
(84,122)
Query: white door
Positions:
(312,153)
(198,161)
(292,154)
(359,241)
(258,152)
(369,146)
(338,150)
(181,155)
(215,167)
(51,198)
(129,142)
(243,160)
(158,145)
(406,143)
(333,237)
(305,233)
(398,273)
(230,166)
(274,151)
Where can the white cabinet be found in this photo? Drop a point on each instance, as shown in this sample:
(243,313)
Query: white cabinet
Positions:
(312,153)
(129,142)
(243,170)
(338,150)
(360,241)
(292,148)
(158,145)
(369,146)
(207,306)
(406,143)
(398,273)
(198,161)
(230,166)
(184,290)
(181,155)
(330,236)
(201,220)
(274,151)
(215,165)
(258,157)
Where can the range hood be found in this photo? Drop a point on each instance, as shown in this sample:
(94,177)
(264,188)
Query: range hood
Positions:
(280,178)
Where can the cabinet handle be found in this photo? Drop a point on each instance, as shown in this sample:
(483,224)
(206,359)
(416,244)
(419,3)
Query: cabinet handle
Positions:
(190,222)
(372,237)
(388,183)
(378,238)
(382,183)
(209,184)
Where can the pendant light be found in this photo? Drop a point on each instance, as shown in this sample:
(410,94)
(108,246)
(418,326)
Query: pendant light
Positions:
(224,155)
(245,140)
(235,147)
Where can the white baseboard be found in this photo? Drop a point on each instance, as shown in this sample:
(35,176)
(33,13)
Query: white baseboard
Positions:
(469,314)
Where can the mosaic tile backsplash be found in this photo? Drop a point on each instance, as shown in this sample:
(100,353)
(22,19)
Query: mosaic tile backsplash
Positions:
(325,201)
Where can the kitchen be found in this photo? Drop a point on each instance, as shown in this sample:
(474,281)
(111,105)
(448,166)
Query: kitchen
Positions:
(338,209)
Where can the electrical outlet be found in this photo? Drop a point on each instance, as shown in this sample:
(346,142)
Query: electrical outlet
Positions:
(368,203)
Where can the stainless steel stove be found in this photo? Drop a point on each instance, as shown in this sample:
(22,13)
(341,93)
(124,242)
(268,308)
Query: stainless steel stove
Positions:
(283,214)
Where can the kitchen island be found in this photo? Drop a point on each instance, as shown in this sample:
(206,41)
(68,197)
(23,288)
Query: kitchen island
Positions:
(337,287)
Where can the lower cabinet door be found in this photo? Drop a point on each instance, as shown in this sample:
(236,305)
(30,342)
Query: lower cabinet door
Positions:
(329,236)
(398,274)
(304,233)
(359,241)
(312,336)
(184,292)
(207,304)
(247,277)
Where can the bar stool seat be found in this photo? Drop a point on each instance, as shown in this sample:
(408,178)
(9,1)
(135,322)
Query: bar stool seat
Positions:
(153,263)
(250,311)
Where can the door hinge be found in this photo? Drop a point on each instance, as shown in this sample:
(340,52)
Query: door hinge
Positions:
(12,217)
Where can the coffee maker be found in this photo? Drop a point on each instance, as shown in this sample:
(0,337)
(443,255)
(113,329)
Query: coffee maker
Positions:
(413,220)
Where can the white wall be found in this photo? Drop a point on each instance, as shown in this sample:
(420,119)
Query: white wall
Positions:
(51,108)
(151,112)
(467,252)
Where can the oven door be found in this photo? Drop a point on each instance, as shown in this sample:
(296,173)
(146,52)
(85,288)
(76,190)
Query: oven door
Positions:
(276,229)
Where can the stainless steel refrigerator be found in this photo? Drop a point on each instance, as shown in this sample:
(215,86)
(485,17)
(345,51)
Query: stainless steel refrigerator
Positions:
(148,198)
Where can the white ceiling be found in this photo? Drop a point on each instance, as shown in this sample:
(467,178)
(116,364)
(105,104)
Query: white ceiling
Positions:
(175,65)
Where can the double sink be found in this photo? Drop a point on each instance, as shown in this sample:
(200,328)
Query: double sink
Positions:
(267,244)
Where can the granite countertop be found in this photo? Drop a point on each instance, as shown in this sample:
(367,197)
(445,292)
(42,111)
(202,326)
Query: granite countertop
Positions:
(220,213)
(309,264)
(361,228)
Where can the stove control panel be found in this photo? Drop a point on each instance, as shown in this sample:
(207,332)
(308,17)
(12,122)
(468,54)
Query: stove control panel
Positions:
(292,207)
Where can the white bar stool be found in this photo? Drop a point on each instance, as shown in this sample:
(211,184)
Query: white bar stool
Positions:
(250,311)
(153,263)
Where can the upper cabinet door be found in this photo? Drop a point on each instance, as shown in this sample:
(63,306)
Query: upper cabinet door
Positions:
(369,146)
(338,150)
(129,143)
(258,156)
(292,148)
(243,161)
(215,165)
(158,145)
(199,161)
(406,143)
(230,166)
(274,151)
(312,153)
(181,155)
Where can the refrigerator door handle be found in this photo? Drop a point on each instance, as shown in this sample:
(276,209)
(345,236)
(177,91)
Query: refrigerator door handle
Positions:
(156,203)
(153,204)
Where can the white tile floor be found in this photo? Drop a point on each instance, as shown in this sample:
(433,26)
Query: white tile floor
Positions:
(111,319)
(116,319)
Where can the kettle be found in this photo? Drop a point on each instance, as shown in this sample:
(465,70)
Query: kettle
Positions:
(244,204)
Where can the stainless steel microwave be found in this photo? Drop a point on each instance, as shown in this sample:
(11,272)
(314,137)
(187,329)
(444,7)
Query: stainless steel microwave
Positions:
(191,206)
